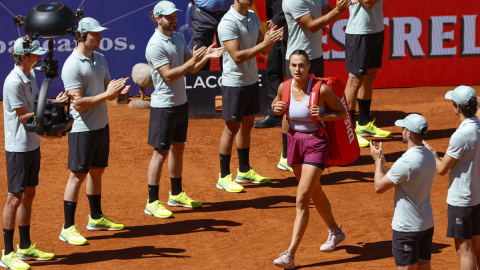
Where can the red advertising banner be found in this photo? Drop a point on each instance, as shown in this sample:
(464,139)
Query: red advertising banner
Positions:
(427,43)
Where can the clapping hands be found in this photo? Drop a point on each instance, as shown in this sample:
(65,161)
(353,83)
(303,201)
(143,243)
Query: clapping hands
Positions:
(376,151)
(214,52)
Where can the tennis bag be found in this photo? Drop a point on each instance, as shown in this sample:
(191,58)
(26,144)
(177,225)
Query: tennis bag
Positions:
(344,148)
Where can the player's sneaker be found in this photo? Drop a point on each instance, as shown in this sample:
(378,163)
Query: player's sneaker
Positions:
(282,164)
(156,209)
(285,260)
(32,253)
(362,142)
(252,177)
(182,200)
(103,223)
(11,261)
(72,236)
(334,238)
(226,183)
(371,130)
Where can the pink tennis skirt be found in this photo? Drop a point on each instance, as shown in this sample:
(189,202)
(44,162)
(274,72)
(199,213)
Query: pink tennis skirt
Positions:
(307,147)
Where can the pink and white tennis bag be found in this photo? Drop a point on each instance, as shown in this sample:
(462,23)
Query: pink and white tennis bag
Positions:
(344,148)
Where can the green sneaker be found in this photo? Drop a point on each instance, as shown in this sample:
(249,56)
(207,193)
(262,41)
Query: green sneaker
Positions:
(11,261)
(103,223)
(282,164)
(32,253)
(72,236)
(362,142)
(226,183)
(252,177)
(157,210)
(182,200)
(371,130)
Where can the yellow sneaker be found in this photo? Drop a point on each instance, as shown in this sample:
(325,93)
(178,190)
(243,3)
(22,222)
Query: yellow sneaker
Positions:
(226,183)
(11,261)
(362,142)
(157,210)
(32,253)
(252,177)
(103,223)
(72,236)
(182,200)
(282,164)
(371,130)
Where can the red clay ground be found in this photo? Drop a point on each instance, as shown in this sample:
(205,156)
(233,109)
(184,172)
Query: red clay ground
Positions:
(235,231)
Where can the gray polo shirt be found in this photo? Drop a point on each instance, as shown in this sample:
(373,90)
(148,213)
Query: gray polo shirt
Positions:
(80,71)
(162,50)
(244,28)
(363,20)
(413,175)
(464,175)
(299,37)
(19,91)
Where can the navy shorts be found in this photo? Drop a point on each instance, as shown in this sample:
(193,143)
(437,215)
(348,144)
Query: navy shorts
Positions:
(88,149)
(463,222)
(22,170)
(238,102)
(363,52)
(167,125)
(409,247)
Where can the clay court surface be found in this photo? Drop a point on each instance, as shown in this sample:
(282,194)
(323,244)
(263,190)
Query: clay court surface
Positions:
(235,231)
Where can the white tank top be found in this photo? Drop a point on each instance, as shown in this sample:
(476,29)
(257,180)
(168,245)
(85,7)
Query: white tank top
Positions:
(299,113)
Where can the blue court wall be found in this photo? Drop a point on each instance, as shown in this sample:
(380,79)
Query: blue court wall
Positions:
(123,45)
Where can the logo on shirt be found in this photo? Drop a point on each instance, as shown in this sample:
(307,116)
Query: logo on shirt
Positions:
(458,221)
(451,147)
(407,248)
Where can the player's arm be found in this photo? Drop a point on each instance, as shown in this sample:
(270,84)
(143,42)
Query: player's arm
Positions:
(382,183)
(332,102)
(381,180)
(443,164)
(14,93)
(314,25)
(278,106)
(172,74)
(478,107)
(369,3)
(114,87)
(239,56)
(23,113)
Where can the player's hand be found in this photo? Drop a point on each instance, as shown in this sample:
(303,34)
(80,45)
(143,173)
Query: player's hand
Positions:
(315,111)
(273,36)
(271,25)
(279,107)
(342,5)
(198,55)
(376,151)
(214,52)
(116,87)
(62,97)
